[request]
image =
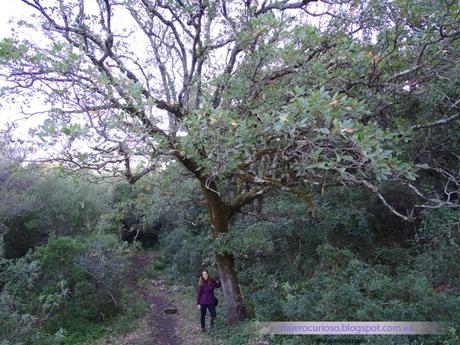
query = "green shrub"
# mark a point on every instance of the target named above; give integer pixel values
(17, 279)
(77, 289)
(160, 263)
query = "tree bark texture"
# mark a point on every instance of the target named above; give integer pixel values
(219, 214)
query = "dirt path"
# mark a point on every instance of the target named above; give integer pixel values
(159, 327)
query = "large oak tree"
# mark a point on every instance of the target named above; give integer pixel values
(246, 95)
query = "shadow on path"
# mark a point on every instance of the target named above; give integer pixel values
(158, 327)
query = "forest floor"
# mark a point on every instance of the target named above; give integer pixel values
(170, 319)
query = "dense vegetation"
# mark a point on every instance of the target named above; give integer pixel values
(353, 260)
(305, 151)
(61, 273)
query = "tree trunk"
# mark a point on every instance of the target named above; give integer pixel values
(234, 307)
(219, 214)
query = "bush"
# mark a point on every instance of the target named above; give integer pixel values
(160, 263)
(17, 278)
(187, 254)
(48, 202)
(71, 284)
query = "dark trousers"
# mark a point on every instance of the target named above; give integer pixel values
(212, 311)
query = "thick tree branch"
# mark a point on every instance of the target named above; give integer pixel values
(282, 6)
(247, 197)
(441, 122)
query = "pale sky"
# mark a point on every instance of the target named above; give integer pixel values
(9, 9)
(11, 112)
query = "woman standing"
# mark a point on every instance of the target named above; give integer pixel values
(205, 298)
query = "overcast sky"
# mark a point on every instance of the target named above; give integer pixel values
(9, 9)
(9, 112)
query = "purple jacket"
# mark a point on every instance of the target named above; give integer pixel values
(205, 293)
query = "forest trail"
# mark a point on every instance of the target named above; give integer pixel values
(158, 327)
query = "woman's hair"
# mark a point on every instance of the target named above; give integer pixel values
(201, 281)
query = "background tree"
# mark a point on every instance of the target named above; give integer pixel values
(247, 96)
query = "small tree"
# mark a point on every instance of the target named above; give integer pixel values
(246, 95)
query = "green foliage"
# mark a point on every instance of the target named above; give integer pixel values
(17, 279)
(336, 266)
(10, 50)
(351, 101)
(64, 292)
(160, 263)
(187, 253)
(247, 240)
(179, 217)
(438, 249)
(111, 223)
(73, 203)
(105, 262)
(91, 270)
(58, 255)
(47, 202)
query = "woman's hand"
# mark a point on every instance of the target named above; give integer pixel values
(198, 306)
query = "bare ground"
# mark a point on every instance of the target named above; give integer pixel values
(158, 327)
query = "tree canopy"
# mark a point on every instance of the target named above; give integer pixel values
(248, 96)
